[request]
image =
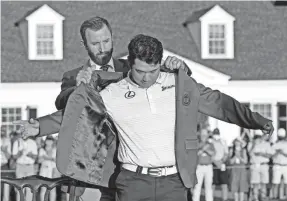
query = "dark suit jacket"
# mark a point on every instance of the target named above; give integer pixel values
(69, 81)
(86, 115)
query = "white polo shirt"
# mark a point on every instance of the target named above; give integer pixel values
(262, 147)
(145, 119)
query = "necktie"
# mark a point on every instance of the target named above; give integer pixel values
(105, 67)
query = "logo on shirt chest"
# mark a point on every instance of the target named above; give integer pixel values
(130, 94)
(163, 88)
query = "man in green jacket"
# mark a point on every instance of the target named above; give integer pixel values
(155, 116)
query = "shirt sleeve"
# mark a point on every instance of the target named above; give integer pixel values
(15, 148)
(41, 152)
(106, 97)
(225, 147)
(34, 147)
(8, 146)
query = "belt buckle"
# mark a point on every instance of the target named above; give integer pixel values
(155, 172)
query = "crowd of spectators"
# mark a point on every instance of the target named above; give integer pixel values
(252, 168)
(21, 158)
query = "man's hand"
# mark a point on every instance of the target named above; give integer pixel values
(173, 63)
(29, 128)
(19, 154)
(200, 152)
(268, 129)
(31, 155)
(84, 76)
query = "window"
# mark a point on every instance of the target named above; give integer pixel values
(8, 116)
(45, 40)
(282, 115)
(32, 113)
(263, 109)
(217, 39)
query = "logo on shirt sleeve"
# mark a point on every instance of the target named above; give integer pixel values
(130, 94)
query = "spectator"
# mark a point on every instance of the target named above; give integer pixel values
(204, 170)
(25, 152)
(40, 142)
(5, 157)
(238, 161)
(220, 174)
(280, 163)
(47, 157)
(260, 154)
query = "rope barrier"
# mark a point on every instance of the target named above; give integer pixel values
(226, 166)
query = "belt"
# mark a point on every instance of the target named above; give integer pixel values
(154, 171)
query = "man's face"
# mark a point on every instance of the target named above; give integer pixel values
(216, 136)
(99, 45)
(144, 74)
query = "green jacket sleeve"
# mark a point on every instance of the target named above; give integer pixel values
(50, 124)
(225, 108)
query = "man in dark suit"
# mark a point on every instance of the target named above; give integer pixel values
(97, 38)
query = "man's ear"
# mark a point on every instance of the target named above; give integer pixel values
(128, 58)
(83, 44)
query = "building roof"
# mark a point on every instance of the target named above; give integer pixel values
(260, 36)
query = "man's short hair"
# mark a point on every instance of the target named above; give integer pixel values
(145, 48)
(95, 23)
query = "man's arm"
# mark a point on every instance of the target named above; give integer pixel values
(16, 153)
(210, 150)
(46, 125)
(67, 87)
(50, 124)
(223, 107)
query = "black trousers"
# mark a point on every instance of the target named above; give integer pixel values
(131, 186)
(108, 194)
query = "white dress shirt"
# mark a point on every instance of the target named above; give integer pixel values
(95, 66)
(280, 158)
(26, 146)
(145, 121)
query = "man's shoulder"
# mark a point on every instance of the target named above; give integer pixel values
(72, 72)
(114, 88)
(167, 78)
(122, 84)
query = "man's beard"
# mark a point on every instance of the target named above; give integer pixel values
(102, 58)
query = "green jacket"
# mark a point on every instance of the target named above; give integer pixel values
(88, 139)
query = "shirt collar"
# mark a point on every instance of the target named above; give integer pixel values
(95, 66)
(132, 85)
